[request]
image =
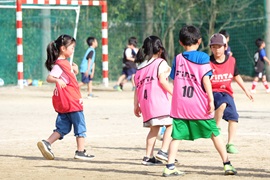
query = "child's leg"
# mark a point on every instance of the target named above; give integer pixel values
(167, 138)
(80, 143)
(220, 147)
(254, 83)
(132, 80)
(228, 168)
(81, 83)
(53, 137)
(219, 113)
(89, 88)
(173, 151)
(264, 81)
(121, 79)
(151, 140)
(232, 126)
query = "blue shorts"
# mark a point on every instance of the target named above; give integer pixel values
(64, 122)
(129, 72)
(86, 79)
(230, 112)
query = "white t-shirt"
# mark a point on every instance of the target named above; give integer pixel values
(59, 73)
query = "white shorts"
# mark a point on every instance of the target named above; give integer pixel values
(158, 122)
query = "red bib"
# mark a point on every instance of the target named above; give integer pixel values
(67, 99)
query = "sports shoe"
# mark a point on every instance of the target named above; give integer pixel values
(121, 85)
(231, 149)
(167, 172)
(117, 87)
(150, 161)
(268, 90)
(164, 156)
(229, 170)
(82, 155)
(91, 96)
(45, 149)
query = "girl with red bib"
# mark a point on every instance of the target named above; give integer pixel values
(66, 99)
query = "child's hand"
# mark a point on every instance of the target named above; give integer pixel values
(86, 73)
(61, 83)
(137, 111)
(75, 68)
(211, 108)
(92, 75)
(249, 95)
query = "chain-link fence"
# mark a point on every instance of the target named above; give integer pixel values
(125, 19)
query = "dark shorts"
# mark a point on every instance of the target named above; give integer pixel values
(129, 72)
(86, 79)
(260, 74)
(230, 112)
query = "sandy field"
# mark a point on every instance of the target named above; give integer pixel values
(117, 139)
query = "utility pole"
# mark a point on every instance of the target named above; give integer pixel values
(46, 38)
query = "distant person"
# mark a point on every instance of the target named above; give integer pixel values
(129, 67)
(87, 67)
(224, 72)
(227, 36)
(260, 73)
(192, 101)
(151, 97)
(67, 100)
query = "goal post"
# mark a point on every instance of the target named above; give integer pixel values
(104, 31)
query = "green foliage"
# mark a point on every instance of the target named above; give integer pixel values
(244, 19)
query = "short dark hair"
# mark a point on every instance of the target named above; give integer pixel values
(189, 35)
(132, 41)
(224, 33)
(90, 40)
(259, 42)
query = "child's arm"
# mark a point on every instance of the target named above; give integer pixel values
(240, 82)
(88, 67)
(165, 83)
(137, 110)
(267, 60)
(51, 79)
(208, 89)
(75, 68)
(93, 70)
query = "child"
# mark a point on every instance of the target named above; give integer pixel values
(260, 66)
(227, 36)
(129, 67)
(192, 100)
(151, 96)
(224, 72)
(67, 100)
(87, 67)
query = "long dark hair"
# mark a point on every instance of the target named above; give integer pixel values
(151, 45)
(53, 49)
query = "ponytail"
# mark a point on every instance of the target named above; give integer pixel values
(54, 49)
(52, 55)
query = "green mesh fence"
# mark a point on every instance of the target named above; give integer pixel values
(125, 19)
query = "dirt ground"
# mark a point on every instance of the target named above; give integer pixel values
(117, 139)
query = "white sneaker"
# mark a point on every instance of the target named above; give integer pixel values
(253, 91)
(268, 90)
